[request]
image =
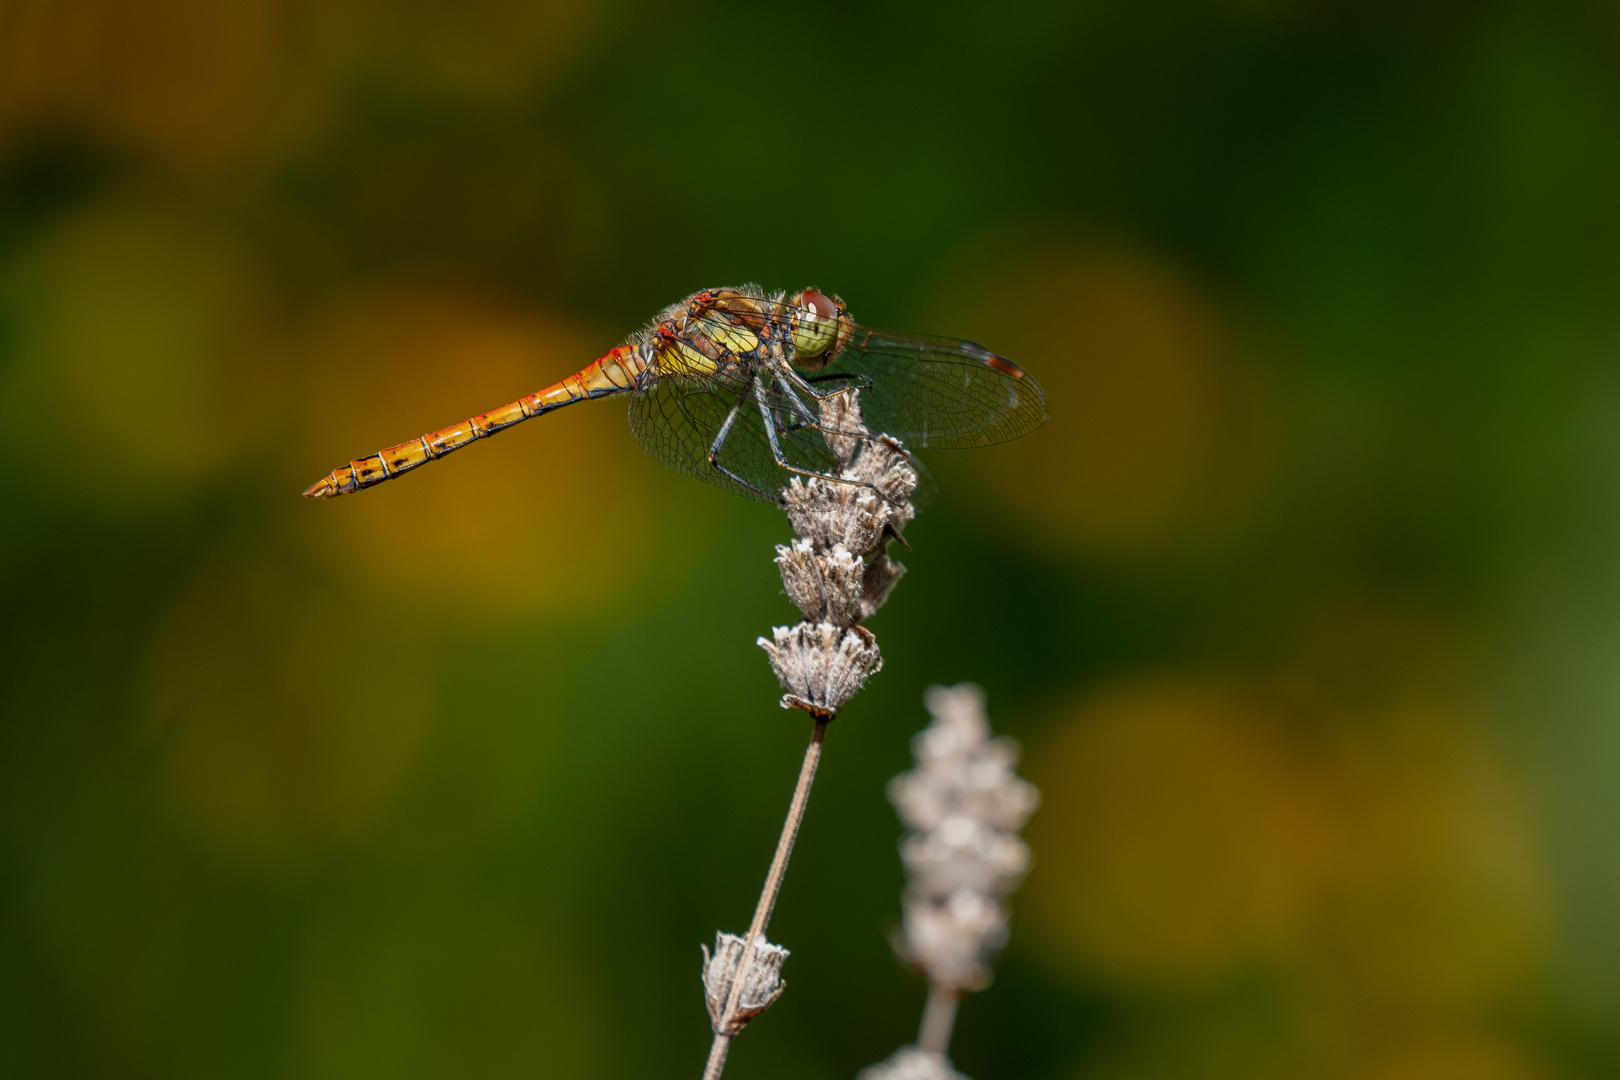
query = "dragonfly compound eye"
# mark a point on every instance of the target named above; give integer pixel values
(820, 327)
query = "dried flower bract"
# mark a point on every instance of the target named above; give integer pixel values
(821, 665)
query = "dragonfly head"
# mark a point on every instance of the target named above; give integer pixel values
(820, 326)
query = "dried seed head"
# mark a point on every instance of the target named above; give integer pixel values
(849, 514)
(910, 1063)
(842, 425)
(826, 572)
(761, 987)
(875, 505)
(821, 665)
(843, 574)
(886, 466)
(802, 577)
(826, 586)
(879, 580)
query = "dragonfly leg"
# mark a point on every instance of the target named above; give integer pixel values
(776, 447)
(808, 417)
(787, 380)
(791, 377)
(720, 440)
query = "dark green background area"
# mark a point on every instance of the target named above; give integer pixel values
(1402, 218)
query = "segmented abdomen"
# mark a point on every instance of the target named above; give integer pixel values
(613, 373)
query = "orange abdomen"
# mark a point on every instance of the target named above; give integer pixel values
(613, 373)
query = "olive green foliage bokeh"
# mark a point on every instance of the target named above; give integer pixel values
(1304, 605)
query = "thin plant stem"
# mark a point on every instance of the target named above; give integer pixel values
(939, 1016)
(767, 897)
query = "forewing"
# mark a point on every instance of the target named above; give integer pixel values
(938, 392)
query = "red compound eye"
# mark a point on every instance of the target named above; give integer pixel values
(819, 303)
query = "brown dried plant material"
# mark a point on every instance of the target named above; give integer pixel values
(837, 573)
(760, 989)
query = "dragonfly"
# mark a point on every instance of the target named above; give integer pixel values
(725, 385)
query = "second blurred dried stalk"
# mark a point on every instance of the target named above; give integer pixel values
(965, 804)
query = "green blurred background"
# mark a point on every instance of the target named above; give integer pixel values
(1305, 604)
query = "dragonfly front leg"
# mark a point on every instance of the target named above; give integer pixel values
(807, 383)
(720, 440)
(776, 447)
(787, 379)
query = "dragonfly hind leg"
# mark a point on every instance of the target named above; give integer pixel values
(776, 446)
(714, 455)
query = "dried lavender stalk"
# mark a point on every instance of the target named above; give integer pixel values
(837, 573)
(965, 805)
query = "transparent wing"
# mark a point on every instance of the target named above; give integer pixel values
(798, 409)
(677, 418)
(937, 392)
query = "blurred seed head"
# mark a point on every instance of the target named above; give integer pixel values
(966, 804)
(961, 769)
(909, 1063)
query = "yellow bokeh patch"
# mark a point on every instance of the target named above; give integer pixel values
(288, 717)
(1180, 834)
(1339, 821)
(1162, 428)
(552, 515)
(207, 86)
(147, 358)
